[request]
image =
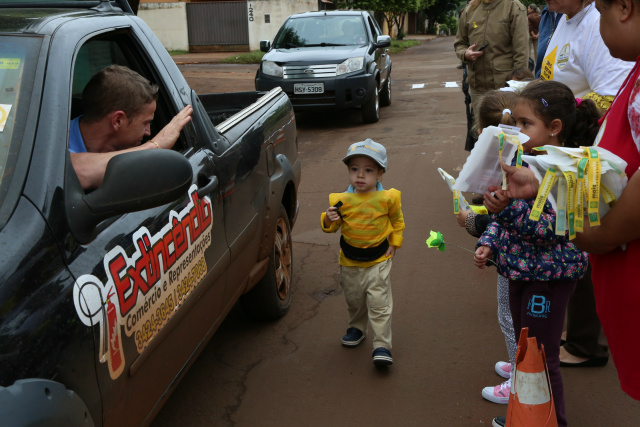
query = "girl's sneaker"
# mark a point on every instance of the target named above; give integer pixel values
(503, 369)
(499, 393)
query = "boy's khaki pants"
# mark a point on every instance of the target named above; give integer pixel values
(368, 295)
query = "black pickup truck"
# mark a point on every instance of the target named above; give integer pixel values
(107, 298)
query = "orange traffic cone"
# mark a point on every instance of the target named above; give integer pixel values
(531, 399)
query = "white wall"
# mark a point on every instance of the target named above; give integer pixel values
(169, 23)
(279, 11)
(169, 20)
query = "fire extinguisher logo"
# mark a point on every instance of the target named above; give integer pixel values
(93, 309)
(116, 356)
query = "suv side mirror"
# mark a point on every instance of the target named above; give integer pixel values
(132, 182)
(382, 41)
(265, 45)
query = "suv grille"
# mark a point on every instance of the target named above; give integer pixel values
(309, 71)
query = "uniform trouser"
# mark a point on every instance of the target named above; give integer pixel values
(584, 331)
(504, 318)
(476, 95)
(541, 307)
(368, 295)
(533, 49)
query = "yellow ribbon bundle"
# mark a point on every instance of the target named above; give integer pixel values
(584, 176)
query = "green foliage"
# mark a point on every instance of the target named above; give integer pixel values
(177, 52)
(253, 57)
(398, 46)
(440, 11)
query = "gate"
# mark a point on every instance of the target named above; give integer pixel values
(218, 26)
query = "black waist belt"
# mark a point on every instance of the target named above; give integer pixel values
(363, 254)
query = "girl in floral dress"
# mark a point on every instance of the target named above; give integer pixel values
(541, 266)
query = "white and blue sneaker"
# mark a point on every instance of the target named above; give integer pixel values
(382, 357)
(352, 338)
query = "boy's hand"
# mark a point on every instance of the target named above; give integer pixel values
(482, 256)
(332, 214)
(462, 217)
(496, 204)
(391, 251)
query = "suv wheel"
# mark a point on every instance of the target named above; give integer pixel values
(271, 297)
(385, 93)
(371, 110)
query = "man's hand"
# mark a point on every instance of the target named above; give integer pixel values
(521, 183)
(168, 136)
(482, 256)
(471, 54)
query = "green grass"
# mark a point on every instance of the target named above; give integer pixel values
(177, 52)
(253, 57)
(398, 46)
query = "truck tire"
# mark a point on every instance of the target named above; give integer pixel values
(385, 93)
(371, 109)
(271, 297)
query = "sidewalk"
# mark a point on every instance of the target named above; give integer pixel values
(215, 57)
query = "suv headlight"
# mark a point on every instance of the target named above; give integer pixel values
(270, 68)
(350, 65)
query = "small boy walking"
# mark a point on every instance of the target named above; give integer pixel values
(371, 222)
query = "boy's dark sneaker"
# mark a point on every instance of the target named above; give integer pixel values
(353, 337)
(382, 357)
(499, 421)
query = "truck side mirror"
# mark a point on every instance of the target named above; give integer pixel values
(265, 45)
(132, 182)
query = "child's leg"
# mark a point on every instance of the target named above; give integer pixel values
(380, 303)
(504, 318)
(541, 307)
(352, 280)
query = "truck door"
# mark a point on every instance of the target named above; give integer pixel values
(151, 284)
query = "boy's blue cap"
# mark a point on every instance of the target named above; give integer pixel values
(368, 148)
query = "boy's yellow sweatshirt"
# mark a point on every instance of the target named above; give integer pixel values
(367, 220)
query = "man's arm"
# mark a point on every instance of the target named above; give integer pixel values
(91, 167)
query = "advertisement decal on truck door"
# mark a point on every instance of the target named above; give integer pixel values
(143, 291)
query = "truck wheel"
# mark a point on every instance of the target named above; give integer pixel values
(271, 297)
(371, 110)
(385, 93)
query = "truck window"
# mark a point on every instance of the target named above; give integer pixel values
(119, 48)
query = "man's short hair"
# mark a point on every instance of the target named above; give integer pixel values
(116, 88)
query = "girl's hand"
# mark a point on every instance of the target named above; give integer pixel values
(471, 54)
(482, 256)
(391, 252)
(462, 217)
(496, 204)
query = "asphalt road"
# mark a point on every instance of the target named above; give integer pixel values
(294, 372)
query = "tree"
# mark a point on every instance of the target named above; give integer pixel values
(394, 11)
(439, 11)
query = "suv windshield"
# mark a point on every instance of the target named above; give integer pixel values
(322, 31)
(18, 57)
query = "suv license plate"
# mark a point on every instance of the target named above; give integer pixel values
(308, 88)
